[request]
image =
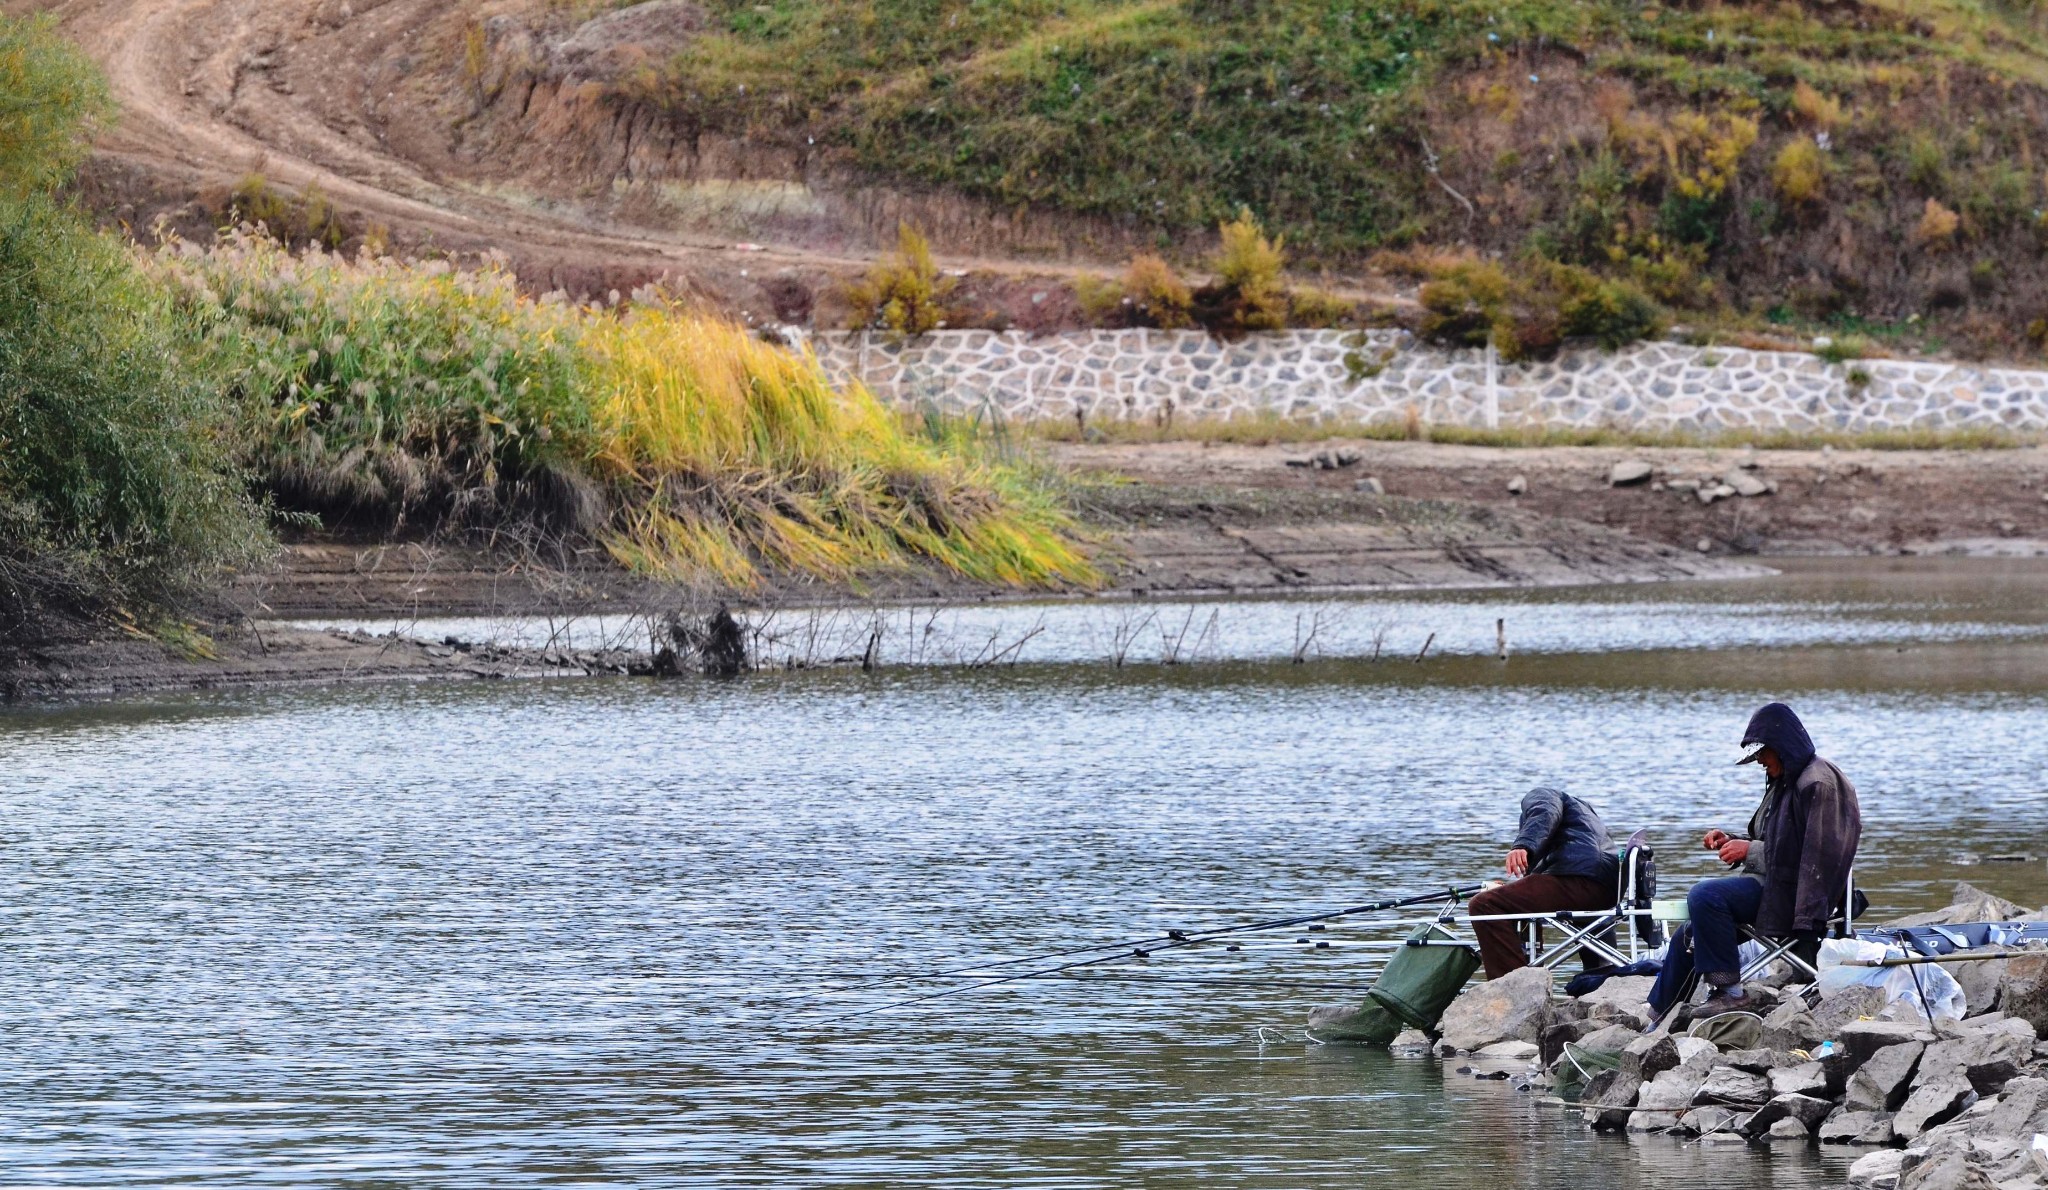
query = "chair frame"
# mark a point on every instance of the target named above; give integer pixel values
(1840, 925)
(1581, 928)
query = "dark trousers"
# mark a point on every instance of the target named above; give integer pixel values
(1712, 943)
(1500, 942)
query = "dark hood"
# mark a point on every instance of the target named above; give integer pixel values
(1776, 727)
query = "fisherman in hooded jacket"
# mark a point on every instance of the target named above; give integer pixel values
(1561, 859)
(1793, 866)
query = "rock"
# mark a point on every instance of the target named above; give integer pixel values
(1846, 1127)
(1729, 1086)
(1704, 545)
(1517, 1051)
(1758, 1061)
(2022, 1109)
(1807, 1078)
(1629, 472)
(1567, 1010)
(1371, 486)
(1517, 485)
(1706, 1121)
(1674, 1090)
(1697, 1051)
(1637, 1019)
(1347, 457)
(1987, 1056)
(1409, 1041)
(1932, 1103)
(1967, 904)
(1862, 1039)
(1611, 1096)
(1515, 1007)
(1803, 1111)
(1789, 1130)
(1879, 1171)
(1648, 1057)
(1683, 485)
(1609, 1039)
(1980, 982)
(1791, 1028)
(2023, 991)
(1709, 493)
(1949, 1171)
(1742, 483)
(1852, 1003)
(1631, 992)
(1551, 1047)
(1652, 1121)
(1883, 1082)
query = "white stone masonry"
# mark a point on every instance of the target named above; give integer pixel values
(1161, 375)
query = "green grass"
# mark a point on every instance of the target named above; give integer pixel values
(391, 393)
(1176, 112)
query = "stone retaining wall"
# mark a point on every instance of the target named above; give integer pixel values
(1155, 375)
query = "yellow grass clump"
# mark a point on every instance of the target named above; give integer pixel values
(737, 454)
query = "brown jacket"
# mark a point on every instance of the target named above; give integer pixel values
(1809, 842)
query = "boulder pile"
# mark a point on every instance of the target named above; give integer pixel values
(1942, 1103)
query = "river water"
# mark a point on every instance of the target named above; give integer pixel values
(597, 932)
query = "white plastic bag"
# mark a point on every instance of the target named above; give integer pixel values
(1944, 996)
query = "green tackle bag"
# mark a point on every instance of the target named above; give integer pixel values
(1420, 981)
(1368, 1023)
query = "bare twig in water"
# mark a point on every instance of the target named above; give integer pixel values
(1124, 633)
(1379, 637)
(1425, 648)
(1170, 646)
(1011, 651)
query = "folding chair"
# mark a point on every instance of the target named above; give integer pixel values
(1635, 889)
(1841, 924)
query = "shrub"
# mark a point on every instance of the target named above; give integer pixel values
(54, 101)
(115, 489)
(1529, 314)
(904, 294)
(392, 392)
(1249, 293)
(1315, 309)
(1937, 227)
(303, 220)
(1815, 109)
(1149, 294)
(687, 446)
(1799, 173)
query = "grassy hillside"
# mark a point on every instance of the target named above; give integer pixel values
(1855, 163)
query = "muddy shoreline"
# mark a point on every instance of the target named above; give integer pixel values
(1170, 520)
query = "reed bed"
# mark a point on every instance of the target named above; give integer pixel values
(394, 392)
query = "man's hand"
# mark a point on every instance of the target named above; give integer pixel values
(1715, 840)
(1518, 863)
(1734, 851)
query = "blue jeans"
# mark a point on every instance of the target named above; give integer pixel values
(1711, 944)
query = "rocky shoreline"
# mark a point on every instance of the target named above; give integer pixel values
(1940, 1103)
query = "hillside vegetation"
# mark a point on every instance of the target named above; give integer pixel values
(1871, 165)
(161, 415)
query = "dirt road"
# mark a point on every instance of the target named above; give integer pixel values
(212, 91)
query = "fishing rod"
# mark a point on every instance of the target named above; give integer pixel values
(1136, 946)
(1176, 940)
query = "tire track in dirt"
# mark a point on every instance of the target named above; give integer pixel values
(193, 116)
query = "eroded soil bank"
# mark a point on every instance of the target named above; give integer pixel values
(1171, 536)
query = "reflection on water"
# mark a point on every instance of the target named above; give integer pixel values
(529, 933)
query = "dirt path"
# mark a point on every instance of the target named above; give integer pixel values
(204, 103)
